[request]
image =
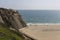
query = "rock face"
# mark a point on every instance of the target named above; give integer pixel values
(12, 18)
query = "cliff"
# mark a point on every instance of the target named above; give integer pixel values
(11, 18)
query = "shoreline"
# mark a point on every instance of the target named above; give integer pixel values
(43, 24)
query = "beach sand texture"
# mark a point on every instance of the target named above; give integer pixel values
(42, 32)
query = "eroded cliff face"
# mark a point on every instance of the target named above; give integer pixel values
(12, 18)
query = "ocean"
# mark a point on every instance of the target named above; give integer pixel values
(40, 16)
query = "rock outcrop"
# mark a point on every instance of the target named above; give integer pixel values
(12, 18)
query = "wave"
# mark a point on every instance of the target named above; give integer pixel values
(43, 23)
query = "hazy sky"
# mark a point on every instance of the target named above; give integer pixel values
(30, 4)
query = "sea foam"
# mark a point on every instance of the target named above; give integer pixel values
(43, 23)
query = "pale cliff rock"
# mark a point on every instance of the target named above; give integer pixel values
(11, 18)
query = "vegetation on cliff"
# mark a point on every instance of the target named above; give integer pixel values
(7, 34)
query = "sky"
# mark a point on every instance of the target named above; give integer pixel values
(31, 4)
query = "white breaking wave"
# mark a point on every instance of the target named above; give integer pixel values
(43, 23)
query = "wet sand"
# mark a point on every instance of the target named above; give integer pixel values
(42, 32)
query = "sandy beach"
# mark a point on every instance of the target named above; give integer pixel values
(42, 32)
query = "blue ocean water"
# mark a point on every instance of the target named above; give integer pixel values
(40, 16)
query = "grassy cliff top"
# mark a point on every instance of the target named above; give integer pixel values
(7, 34)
